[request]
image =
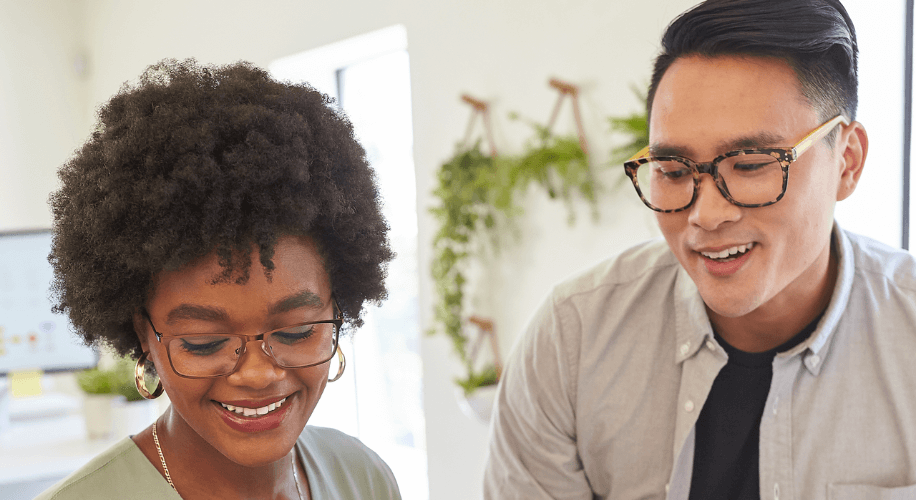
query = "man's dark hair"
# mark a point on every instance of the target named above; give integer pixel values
(815, 37)
(200, 159)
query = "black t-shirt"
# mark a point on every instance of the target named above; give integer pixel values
(727, 452)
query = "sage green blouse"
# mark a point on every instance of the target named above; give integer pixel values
(338, 467)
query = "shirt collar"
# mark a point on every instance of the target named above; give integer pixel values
(815, 349)
(692, 323)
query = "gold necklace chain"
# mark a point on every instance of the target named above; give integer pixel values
(162, 459)
(169, 477)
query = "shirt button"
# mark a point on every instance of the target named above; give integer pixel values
(710, 345)
(775, 406)
(814, 360)
(776, 491)
(688, 405)
(667, 487)
(685, 347)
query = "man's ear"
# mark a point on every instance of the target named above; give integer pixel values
(852, 145)
(141, 327)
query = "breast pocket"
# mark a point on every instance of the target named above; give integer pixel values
(866, 492)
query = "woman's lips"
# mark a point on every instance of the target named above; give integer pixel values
(268, 420)
(251, 410)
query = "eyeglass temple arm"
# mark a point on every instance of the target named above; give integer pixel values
(818, 134)
(641, 153)
(150, 321)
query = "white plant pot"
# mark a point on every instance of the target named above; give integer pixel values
(479, 404)
(98, 411)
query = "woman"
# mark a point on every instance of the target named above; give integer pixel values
(220, 227)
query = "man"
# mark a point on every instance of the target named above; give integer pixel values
(760, 351)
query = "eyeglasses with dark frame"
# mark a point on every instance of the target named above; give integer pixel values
(194, 355)
(745, 177)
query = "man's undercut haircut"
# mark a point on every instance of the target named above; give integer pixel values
(197, 159)
(815, 37)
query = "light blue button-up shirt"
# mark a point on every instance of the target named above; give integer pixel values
(602, 393)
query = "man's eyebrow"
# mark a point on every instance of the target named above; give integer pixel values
(196, 312)
(668, 150)
(761, 140)
(304, 298)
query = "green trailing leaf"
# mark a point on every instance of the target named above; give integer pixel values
(636, 126)
(488, 375)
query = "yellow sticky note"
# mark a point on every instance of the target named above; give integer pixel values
(26, 383)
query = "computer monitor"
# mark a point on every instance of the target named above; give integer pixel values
(31, 336)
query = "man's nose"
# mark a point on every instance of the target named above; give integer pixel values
(711, 209)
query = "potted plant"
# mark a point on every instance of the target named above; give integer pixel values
(98, 405)
(112, 406)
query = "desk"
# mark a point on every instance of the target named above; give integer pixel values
(46, 448)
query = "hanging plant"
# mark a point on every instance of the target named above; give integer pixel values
(559, 164)
(477, 195)
(467, 186)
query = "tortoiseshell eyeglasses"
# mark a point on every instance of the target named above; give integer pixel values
(746, 177)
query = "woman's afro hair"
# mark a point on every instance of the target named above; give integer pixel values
(194, 159)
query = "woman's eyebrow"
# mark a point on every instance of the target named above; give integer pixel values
(305, 298)
(196, 312)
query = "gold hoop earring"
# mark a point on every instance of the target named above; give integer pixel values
(341, 365)
(140, 373)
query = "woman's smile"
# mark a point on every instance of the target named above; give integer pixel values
(260, 419)
(248, 409)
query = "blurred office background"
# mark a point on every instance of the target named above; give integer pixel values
(398, 68)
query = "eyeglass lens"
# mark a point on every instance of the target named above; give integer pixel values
(213, 355)
(749, 179)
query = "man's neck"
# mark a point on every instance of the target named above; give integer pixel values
(775, 322)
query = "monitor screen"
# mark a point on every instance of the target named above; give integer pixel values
(31, 336)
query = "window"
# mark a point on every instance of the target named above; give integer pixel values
(876, 208)
(380, 399)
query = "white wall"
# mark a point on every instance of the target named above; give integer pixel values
(41, 104)
(502, 51)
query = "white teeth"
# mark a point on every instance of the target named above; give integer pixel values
(728, 252)
(251, 412)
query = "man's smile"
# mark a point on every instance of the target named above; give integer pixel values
(729, 253)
